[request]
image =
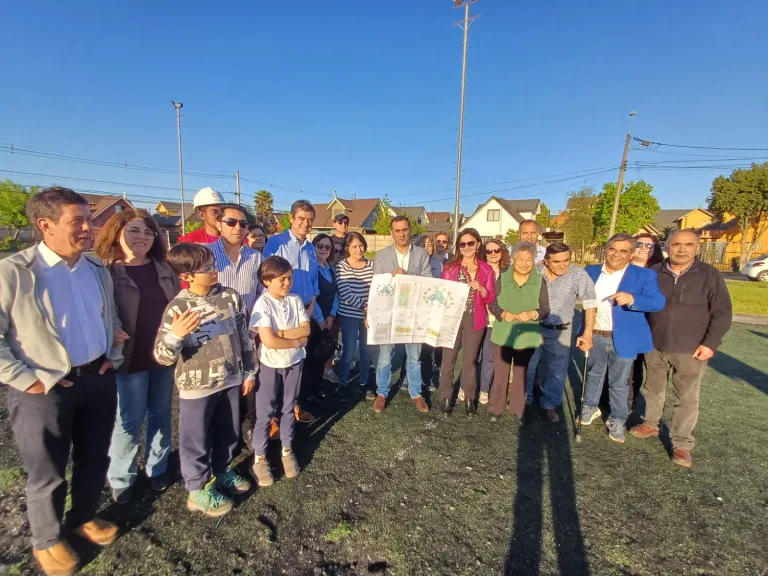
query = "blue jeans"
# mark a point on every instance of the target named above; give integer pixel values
(384, 369)
(603, 359)
(555, 352)
(353, 331)
(141, 395)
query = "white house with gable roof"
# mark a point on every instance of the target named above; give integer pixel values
(493, 218)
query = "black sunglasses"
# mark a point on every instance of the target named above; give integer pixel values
(493, 250)
(232, 222)
(323, 247)
(648, 245)
(470, 244)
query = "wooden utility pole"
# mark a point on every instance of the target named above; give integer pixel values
(620, 183)
(237, 186)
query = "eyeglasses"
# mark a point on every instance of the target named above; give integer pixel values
(493, 250)
(648, 245)
(138, 233)
(443, 242)
(470, 244)
(323, 247)
(232, 222)
(207, 270)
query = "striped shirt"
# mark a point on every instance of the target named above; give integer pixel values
(354, 286)
(240, 275)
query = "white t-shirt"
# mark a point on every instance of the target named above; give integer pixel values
(607, 285)
(279, 315)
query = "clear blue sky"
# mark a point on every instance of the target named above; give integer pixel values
(362, 96)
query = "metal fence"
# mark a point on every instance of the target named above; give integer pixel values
(726, 256)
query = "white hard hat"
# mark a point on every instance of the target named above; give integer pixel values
(207, 197)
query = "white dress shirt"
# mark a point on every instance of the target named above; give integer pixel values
(403, 259)
(76, 302)
(606, 286)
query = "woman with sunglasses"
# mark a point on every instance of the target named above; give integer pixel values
(497, 257)
(133, 250)
(468, 267)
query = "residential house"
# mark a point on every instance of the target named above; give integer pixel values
(362, 213)
(441, 222)
(666, 221)
(418, 214)
(103, 207)
(728, 230)
(174, 209)
(493, 218)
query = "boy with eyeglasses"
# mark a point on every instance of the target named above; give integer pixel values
(205, 333)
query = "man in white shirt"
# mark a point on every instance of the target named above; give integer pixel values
(529, 232)
(60, 338)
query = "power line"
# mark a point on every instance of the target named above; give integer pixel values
(651, 143)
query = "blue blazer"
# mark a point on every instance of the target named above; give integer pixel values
(631, 333)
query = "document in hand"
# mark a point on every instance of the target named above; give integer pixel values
(406, 309)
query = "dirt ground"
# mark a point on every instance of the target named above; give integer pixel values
(405, 493)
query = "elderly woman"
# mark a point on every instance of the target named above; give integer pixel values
(497, 257)
(133, 250)
(522, 301)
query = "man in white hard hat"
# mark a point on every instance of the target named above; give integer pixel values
(207, 202)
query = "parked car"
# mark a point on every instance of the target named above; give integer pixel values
(757, 269)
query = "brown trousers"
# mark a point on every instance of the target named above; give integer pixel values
(504, 359)
(686, 383)
(471, 341)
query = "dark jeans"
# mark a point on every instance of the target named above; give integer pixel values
(44, 426)
(486, 362)
(507, 359)
(209, 431)
(471, 341)
(354, 332)
(267, 393)
(635, 381)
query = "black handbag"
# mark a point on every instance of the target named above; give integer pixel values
(325, 348)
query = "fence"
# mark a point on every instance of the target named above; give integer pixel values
(726, 256)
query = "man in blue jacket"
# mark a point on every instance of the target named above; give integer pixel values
(624, 294)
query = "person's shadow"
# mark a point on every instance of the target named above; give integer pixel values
(541, 444)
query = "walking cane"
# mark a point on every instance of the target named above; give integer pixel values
(583, 386)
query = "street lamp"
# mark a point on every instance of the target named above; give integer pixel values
(178, 106)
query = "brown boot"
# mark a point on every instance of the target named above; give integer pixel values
(303, 416)
(98, 531)
(274, 429)
(682, 457)
(380, 404)
(58, 560)
(644, 431)
(421, 405)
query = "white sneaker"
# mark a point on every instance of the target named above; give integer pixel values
(331, 376)
(352, 365)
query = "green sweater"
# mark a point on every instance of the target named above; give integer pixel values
(516, 299)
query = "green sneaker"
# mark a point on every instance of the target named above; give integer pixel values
(209, 501)
(231, 483)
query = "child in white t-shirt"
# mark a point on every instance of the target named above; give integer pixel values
(282, 324)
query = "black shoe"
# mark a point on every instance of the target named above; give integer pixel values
(447, 408)
(314, 400)
(341, 393)
(470, 408)
(122, 495)
(248, 440)
(160, 482)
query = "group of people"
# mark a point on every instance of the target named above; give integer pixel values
(247, 328)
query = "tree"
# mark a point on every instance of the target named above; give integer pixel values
(383, 218)
(13, 202)
(543, 218)
(579, 227)
(637, 208)
(249, 215)
(285, 222)
(743, 194)
(264, 208)
(193, 225)
(416, 228)
(510, 238)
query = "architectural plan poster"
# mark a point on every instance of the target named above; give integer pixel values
(412, 309)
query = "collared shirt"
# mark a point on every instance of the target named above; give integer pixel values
(77, 305)
(564, 290)
(606, 286)
(240, 275)
(303, 258)
(269, 312)
(540, 253)
(668, 268)
(403, 259)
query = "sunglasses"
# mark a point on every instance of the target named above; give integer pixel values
(470, 244)
(138, 233)
(648, 245)
(323, 247)
(232, 222)
(345, 222)
(493, 250)
(443, 242)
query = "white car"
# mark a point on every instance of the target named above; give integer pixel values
(757, 269)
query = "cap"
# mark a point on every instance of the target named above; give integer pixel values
(340, 217)
(207, 197)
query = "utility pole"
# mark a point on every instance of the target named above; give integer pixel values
(622, 169)
(178, 106)
(237, 185)
(464, 25)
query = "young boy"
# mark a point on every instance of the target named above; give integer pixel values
(283, 327)
(205, 333)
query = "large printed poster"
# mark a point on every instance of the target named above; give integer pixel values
(406, 309)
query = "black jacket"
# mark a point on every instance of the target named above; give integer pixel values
(698, 310)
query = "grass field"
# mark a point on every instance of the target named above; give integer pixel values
(749, 298)
(402, 493)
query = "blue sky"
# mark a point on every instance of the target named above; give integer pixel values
(362, 96)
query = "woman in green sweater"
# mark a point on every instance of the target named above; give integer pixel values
(522, 301)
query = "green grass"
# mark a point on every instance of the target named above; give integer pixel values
(9, 477)
(343, 528)
(749, 298)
